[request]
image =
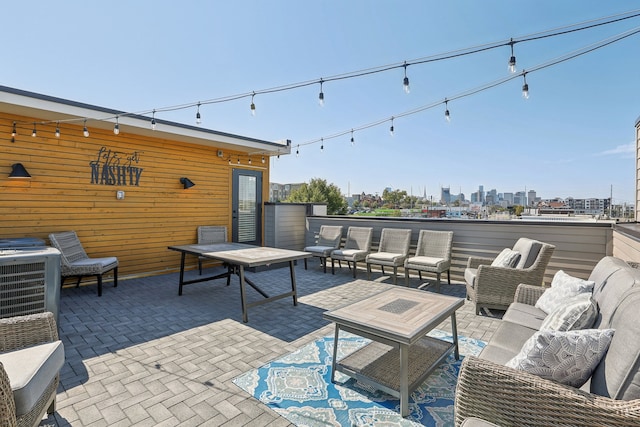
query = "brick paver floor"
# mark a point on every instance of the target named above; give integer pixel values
(142, 355)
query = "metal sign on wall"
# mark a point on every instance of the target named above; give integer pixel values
(115, 168)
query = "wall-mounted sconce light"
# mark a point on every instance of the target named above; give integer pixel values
(186, 182)
(18, 171)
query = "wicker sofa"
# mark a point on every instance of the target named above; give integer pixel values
(488, 390)
(31, 356)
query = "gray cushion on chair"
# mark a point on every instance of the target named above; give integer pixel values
(320, 250)
(102, 262)
(30, 371)
(529, 250)
(470, 276)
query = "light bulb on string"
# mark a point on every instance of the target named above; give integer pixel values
(229, 161)
(322, 144)
(85, 131)
(447, 116)
(298, 150)
(321, 95)
(249, 160)
(116, 127)
(405, 82)
(34, 132)
(391, 129)
(238, 160)
(153, 120)
(512, 60)
(198, 117)
(525, 86)
(14, 131)
(57, 130)
(263, 159)
(253, 106)
(353, 141)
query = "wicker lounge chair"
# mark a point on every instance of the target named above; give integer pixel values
(31, 358)
(392, 251)
(356, 248)
(76, 263)
(210, 234)
(328, 240)
(433, 255)
(494, 287)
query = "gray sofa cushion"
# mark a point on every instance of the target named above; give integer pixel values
(609, 293)
(30, 370)
(603, 270)
(470, 276)
(529, 250)
(618, 374)
(506, 342)
(525, 315)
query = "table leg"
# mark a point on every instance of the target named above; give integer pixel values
(404, 380)
(245, 317)
(293, 283)
(335, 354)
(454, 331)
(181, 282)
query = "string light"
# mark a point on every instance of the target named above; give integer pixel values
(253, 106)
(391, 128)
(263, 159)
(85, 131)
(447, 116)
(116, 127)
(405, 82)
(512, 60)
(229, 160)
(525, 86)
(34, 132)
(13, 132)
(153, 120)
(198, 117)
(249, 160)
(321, 144)
(353, 141)
(57, 130)
(321, 95)
(298, 150)
(238, 160)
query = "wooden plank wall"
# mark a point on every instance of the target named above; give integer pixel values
(153, 215)
(578, 246)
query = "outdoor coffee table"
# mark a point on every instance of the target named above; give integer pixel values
(237, 256)
(400, 356)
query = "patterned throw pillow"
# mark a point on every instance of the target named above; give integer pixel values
(562, 288)
(578, 312)
(566, 357)
(506, 258)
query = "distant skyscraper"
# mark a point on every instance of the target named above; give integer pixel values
(445, 195)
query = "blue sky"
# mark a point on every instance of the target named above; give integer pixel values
(574, 136)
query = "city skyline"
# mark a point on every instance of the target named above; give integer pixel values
(573, 137)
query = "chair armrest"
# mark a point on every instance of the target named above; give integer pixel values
(476, 261)
(508, 397)
(528, 294)
(26, 331)
(7, 404)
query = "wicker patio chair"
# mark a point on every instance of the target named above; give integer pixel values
(392, 250)
(433, 255)
(356, 248)
(494, 287)
(76, 263)
(210, 234)
(31, 356)
(328, 240)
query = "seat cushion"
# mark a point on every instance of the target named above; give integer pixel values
(529, 250)
(324, 251)
(386, 258)
(525, 315)
(506, 342)
(349, 254)
(424, 261)
(93, 265)
(30, 371)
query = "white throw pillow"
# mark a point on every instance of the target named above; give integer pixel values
(506, 258)
(562, 288)
(568, 357)
(578, 312)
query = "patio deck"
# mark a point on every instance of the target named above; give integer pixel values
(141, 355)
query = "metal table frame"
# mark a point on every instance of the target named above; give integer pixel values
(237, 256)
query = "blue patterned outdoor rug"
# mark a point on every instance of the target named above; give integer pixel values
(298, 387)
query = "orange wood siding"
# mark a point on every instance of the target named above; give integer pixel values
(153, 215)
